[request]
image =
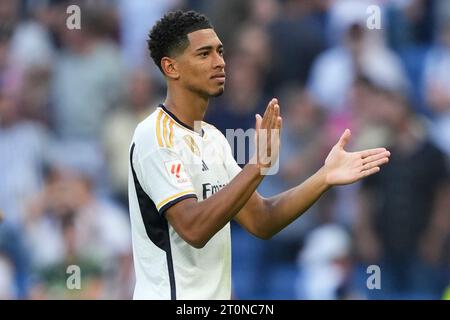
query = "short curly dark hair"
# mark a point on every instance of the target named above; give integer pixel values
(169, 35)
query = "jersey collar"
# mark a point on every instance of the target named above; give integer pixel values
(174, 117)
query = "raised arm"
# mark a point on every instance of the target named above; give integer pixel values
(196, 222)
(264, 217)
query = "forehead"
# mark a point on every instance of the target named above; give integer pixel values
(202, 38)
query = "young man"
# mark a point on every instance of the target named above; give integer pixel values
(185, 186)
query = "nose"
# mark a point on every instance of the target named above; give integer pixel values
(219, 62)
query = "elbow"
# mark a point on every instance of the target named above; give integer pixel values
(264, 235)
(198, 244)
(262, 227)
(191, 231)
(195, 239)
(261, 232)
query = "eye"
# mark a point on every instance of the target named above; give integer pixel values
(221, 52)
(203, 54)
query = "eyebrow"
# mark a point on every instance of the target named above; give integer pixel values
(220, 46)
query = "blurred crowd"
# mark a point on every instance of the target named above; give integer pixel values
(70, 100)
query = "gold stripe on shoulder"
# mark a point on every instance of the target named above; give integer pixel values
(166, 139)
(171, 132)
(158, 128)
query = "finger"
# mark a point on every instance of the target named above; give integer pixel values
(267, 115)
(280, 119)
(376, 157)
(371, 152)
(343, 140)
(271, 123)
(376, 163)
(267, 109)
(276, 113)
(369, 172)
(274, 122)
(278, 127)
(276, 130)
(274, 117)
(264, 117)
(269, 106)
(258, 122)
(279, 123)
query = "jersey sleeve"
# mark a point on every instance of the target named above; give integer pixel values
(165, 179)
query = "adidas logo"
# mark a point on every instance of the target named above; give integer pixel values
(204, 166)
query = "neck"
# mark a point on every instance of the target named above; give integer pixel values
(186, 105)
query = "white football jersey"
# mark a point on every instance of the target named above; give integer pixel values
(170, 162)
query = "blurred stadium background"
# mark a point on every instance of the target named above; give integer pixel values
(70, 100)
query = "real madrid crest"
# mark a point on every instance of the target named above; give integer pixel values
(192, 145)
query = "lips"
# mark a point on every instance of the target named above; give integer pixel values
(219, 77)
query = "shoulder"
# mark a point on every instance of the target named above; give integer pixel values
(213, 134)
(212, 131)
(148, 135)
(155, 133)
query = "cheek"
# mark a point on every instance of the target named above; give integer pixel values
(199, 70)
(188, 72)
(197, 75)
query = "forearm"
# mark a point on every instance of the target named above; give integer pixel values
(197, 222)
(212, 214)
(266, 217)
(282, 209)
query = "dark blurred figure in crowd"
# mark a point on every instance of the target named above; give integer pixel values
(87, 84)
(357, 50)
(411, 23)
(14, 263)
(67, 224)
(87, 78)
(403, 222)
(293, 55)
(436, 87)
(119, 128)
(325, 264)
(23, 149)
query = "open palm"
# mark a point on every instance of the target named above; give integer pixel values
(344, 167)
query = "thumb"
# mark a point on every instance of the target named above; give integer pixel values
(343, 140)
(258, 122)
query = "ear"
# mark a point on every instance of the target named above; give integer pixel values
(169, 67)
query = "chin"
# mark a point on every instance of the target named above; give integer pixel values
(218, 93)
